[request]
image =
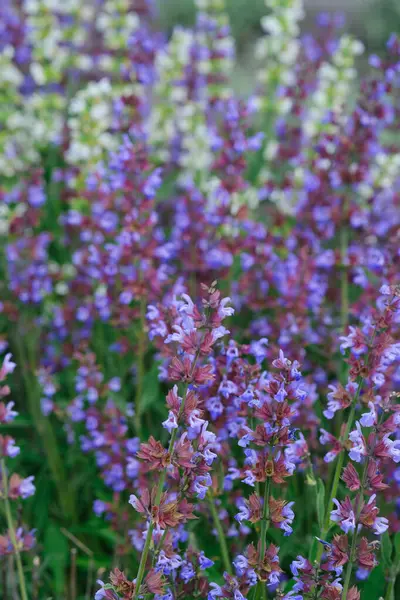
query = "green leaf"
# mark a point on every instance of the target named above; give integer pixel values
(320, 503)
(92, 528)
(386, 550)
(374, 586)
(151, 390)
(397, 544)
(56, 550)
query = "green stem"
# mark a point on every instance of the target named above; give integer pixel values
(159, 547)
(140, 365)
(311, 482)
(344, 280)
(265, 517)
(358, 509)
(344, 302)
(221, 535)
(253, 424)
(260, 591)
(391, 583)
(143, 559)
(394, 571)
(339, 466)
(146, 549)
(45, 430)
(352, 555)
(161, 481)
(390, 589)
(13, 537)
(349, 568)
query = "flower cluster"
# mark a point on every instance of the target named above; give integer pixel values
(12, 487)
(181, 435)
(192, 448)
(372, 452)
(270, 401)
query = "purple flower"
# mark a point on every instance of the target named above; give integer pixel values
(299, 563)
(26, 487)
(344, 516)
(11, 449)
(168, 563)
(171, 423)
(369, 419)
(99, 507)
(115, 384)
(201, 485)
(380, 525)
(288, 515)
(204, 562)
(358, 449)
(243, 514)
(241, 565)
(153, 183)
(249, 479)
(224, 310)
(105, 592)
(7, 367)
(6, 413)
(216, 592)
(187, 572)
(393, 448)
(292, 595)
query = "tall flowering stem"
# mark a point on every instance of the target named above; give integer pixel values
(221, 535)
(12, 533)
(344, 282)
(272, 402)
(149, 536)
(343, 440)
(159, 490)
(392, 580)
(353, 546)
(260, 589)
(359, 504)
(374, 449)
(344, 279)
(339, 467)
(193, 335)
(265, 516)
(45, 430)
(140, 364)
(14, 487)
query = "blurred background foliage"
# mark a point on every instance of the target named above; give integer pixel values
(371, 20)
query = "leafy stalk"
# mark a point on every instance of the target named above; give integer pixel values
(344, 280)
(221, 535)
(161, 481)
(265, 520)
(392, 580)
(13, 536)
(265, 517)
(340, 461)
(349, 568)
(344, 320)
(358, 510)
(140, 365)
(45, 430)
(339, 466)
(146, 549)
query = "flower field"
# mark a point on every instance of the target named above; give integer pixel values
(199, 307)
